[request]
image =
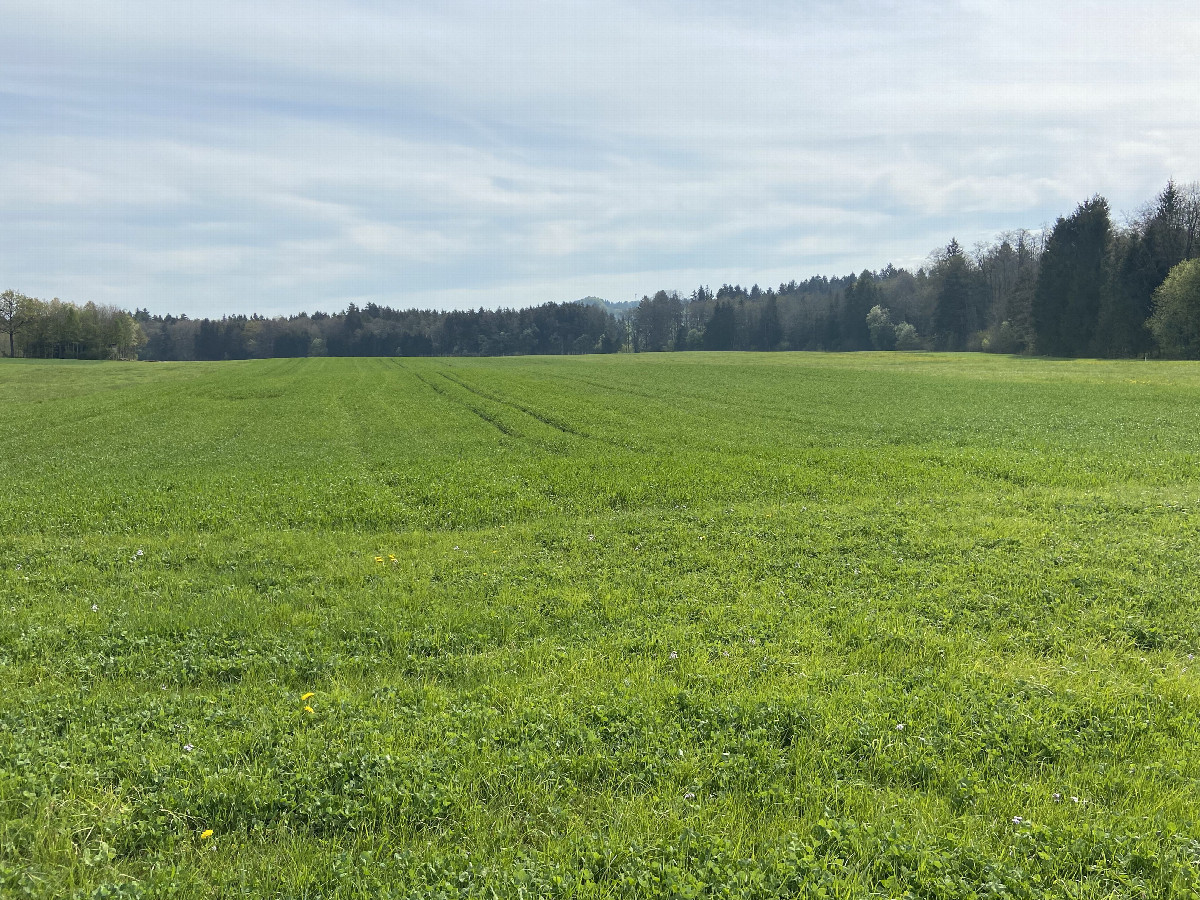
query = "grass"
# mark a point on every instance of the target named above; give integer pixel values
(689, 625)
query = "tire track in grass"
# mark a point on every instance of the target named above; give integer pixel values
(485, 416)
(553, 421)
(686, 419)
(705, 402)
(520, 407)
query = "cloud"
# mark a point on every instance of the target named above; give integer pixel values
(271, 156)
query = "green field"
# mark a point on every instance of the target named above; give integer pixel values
(685, 625)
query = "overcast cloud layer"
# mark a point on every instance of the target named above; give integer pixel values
(271, 157)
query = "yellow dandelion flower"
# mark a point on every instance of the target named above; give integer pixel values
(308, 709)
(391, 556)
(379, 559)
(307, 696)
(206, 834)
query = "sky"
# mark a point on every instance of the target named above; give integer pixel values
(229, 157)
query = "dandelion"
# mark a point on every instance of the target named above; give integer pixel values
(379, 559)
(309, 710)
(307, 696)
(206, 834)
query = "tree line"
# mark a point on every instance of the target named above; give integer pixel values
(1084, 287)
(57, 330)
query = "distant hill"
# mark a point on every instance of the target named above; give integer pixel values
(620, 310)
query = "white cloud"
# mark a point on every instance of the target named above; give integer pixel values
(267, 156)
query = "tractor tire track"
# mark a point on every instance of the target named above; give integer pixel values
(482, 414)
(520, 407)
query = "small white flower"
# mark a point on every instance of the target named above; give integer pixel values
(139, 553)
(188, 748)
(591, 537)
(1017, 820)
(95, 607)
(1057, 797)
(753, 642)
(1074, 799)
(674, 654)
(689, 796)
(900, 726)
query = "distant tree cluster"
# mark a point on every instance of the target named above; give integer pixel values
(553, 328)
(1082, 288)
(57, 330)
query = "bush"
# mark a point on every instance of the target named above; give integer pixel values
(907, 337)
(879, 324)
(1175, 322)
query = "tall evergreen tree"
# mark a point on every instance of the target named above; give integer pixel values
(1066, 302)
(720, 333)
(952, 308)
(1127, 299)
(770, 331)
(860, 297)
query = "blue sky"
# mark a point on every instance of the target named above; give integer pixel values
(274, 157)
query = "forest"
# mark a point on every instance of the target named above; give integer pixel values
(1085, 287)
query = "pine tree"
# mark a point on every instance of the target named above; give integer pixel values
(1066, 302)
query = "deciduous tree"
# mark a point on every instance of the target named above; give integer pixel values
(14, 316)
(1176, 319)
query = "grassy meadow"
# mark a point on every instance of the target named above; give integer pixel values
(679, 625)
